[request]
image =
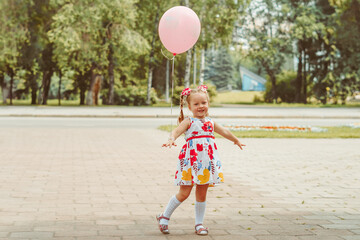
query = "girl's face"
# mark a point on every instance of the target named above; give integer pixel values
(198, 105)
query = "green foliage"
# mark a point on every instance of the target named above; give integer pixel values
(285, 87)
(177, 92)
(41, 37)
(131, 96)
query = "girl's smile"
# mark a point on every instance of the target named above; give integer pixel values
(199, 105)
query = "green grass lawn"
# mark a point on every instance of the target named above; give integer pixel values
(247, 98)
(50, 102)
(332, 132)
(238, 97)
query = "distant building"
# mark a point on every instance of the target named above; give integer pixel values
(251, 81)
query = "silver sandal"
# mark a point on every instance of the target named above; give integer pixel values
(202, 230)
(162, 227)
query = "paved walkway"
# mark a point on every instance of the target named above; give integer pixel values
(108, 183)
(156, 112)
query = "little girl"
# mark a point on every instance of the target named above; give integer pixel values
(199, 163)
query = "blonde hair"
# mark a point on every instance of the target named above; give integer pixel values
(182, 102)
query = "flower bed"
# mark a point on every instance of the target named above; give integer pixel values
(354, 125)
(235, 127)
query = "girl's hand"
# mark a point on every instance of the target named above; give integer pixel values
(170, 143)
(239, 144)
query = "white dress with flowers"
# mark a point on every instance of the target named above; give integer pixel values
(199, 162)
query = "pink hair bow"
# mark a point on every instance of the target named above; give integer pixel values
(203, 88)
(186, 92)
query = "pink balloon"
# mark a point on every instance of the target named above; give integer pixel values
(179, 29)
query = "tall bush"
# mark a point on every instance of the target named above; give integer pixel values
(285, 87)
(131, 96)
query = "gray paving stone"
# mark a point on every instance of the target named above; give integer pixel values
(94, 183)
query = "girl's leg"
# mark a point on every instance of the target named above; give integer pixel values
(184, 193)
(201, 191)
(200, 205)
(174, 202)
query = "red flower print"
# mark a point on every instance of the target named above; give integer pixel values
(207, 127)
(182, 152)
(199, 147)
(211, 152)
(176, 174)
(194, 133)
(193, 156)
(215, 146)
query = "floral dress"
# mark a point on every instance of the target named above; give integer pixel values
(199, 162)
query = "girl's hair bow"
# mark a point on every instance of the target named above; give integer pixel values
(186, 92)
(203, 88)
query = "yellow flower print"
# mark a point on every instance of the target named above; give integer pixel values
(221, 175)
(204, 178)
(186, 175)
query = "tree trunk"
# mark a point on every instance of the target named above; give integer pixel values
(111, 75)
(150, 75)
(298, 82)
(89, 96)
(96, 89)
(188, 61)
(34, 88)
(82, 87)
(46, 86)
(11, 72)
(40, 95)
(167, 80)
(187, 69)
(202, 67)
(273, 88)
(304, 80)
(194, 69)
(59, 89)
(3, 87)
(151, 59)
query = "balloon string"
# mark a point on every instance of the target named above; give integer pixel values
(166, 56)
(172, 93)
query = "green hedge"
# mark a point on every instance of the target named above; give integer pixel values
(131, 96)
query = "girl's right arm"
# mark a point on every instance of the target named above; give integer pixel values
(183, 126)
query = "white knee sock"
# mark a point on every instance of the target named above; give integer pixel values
(170, 208)
(199, 212)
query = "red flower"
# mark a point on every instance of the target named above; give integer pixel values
(207, 127)
(193, 156)
(211, 152)
(199, 147)
(215, 146)
(176, 174)
(182, 152)
(194, 133)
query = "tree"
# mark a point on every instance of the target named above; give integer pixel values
(13, 34)
(95, 37)
(220, 71)
(347, 68)
(267, 37)
(217, 19)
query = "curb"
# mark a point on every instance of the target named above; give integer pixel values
(173, 116)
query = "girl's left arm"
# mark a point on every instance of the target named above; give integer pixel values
(227, 134)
